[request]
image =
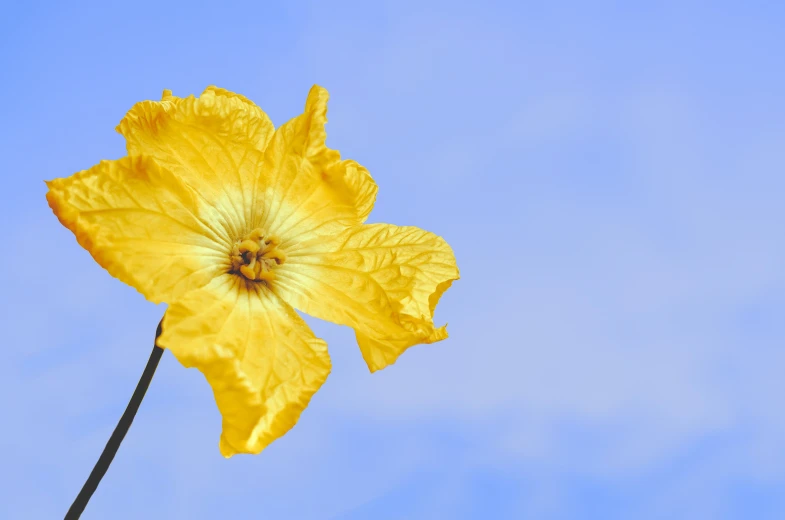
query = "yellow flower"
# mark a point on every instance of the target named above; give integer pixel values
(235, 224)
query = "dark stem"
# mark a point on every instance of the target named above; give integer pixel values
(117, 436)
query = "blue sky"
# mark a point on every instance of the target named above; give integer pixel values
(610, 176)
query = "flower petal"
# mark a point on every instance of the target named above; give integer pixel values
(259, 356)
(143, 225)
(310, 191)
(214, 143)
(382, 280)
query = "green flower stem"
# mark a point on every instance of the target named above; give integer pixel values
(118, 435)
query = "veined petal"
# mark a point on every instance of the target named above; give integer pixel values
(258, 355)
(309, 191)
(382, 280)
(214, 143)
(143, 225)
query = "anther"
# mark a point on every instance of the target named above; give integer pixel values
(249, 245)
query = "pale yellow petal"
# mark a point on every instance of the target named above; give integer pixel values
(308, 190)
(214, 143)
(143, 225)
(382, 280)
(260, 358)
(286, 182)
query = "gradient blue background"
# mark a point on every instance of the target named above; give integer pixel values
(610, 175)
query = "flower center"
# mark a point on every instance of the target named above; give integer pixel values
(255, 256)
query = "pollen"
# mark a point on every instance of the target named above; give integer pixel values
(255, 255)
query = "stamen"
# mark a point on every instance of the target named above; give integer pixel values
(247, 272)
(255, 255)
(277, 255)
(267, 276)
